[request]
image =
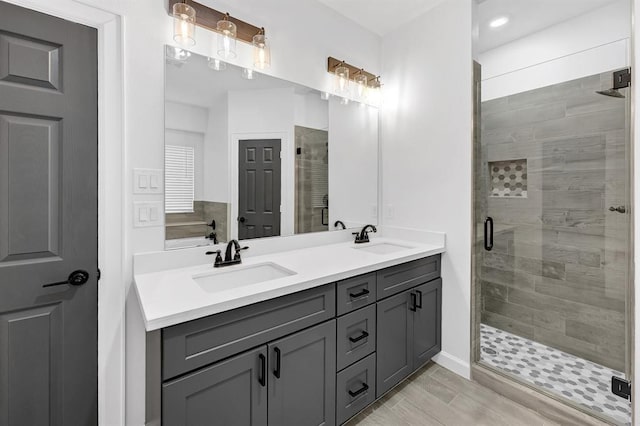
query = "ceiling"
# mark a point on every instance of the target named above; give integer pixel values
(526, 16)
(381, 16)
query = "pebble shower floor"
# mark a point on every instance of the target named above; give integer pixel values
(581, 381)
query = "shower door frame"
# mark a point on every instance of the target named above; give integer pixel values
(501, 381)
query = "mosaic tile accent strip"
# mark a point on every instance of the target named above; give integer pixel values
(508, 178)
(581, 381)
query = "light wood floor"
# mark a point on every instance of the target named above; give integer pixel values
(436, 396)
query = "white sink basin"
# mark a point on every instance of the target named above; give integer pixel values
(236, 276)
(381, 248)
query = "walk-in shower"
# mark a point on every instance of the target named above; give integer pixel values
(552, 190)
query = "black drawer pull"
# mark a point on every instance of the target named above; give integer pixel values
(412, 303)
(364, 335)
(364, 292)
(364, 388)
(419, 304)
(276, 371)
(263, 370)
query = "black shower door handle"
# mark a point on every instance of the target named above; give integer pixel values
(488, 233)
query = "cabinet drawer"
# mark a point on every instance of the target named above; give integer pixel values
(200, 342)
(356, 335)
(354, 293)
(402, 277)
(355, 388)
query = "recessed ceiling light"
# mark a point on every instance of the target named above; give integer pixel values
(498, 22)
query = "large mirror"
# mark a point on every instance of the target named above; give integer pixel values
(261, 157)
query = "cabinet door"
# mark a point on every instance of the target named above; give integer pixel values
(395, 341)
(231, 392)
(302, 377)
(426, 322)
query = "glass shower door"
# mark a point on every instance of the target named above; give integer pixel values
(552, 193)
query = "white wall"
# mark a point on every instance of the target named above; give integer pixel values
(353, 161)
(311, 111)
(426, 151)
(216, 153)
(563, 52)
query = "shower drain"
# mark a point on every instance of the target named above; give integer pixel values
(489, 351)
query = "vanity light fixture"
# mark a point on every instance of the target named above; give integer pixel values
(248, 74)
(362, 82)
(216, 64)
(184, 24)
(341, 79)
(227, 37)
(261, 51)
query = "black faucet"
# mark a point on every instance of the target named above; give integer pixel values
(363, 236)
(228, 260)
(213, 236)
(339, 222)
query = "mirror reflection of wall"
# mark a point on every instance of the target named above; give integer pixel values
(262, 158)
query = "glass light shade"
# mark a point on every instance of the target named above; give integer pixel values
(184, 24)
(227, 32)
(248, 74)
(361, 86)
(342, 80)
(216, 64)
(261, 52)
(175, 54)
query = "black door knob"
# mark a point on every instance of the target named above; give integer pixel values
(78, 277)
(241, 219)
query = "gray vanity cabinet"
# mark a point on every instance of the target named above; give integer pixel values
(395, 341)
(230, 392)
(302, 377)
(427, 322)
(409, 333)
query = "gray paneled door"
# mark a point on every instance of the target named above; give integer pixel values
(48, 219)
(259, 188)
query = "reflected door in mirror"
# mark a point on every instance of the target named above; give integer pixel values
(259, 188)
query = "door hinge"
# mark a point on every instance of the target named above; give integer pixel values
(622, 78)
(99, 274)
(621, 387)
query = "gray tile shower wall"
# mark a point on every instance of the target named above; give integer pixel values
(312, 177)
(557, 273)
(189, 225)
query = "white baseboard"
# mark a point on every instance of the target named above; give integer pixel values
(454, 364)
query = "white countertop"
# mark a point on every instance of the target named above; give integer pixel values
(171, 297)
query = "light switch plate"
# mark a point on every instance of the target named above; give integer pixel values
(147, 181)
(147, 213)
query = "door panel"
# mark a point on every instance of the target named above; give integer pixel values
(395, 341)
(227, 393)
(48, 219)
(304, 394)
(259, 188)
(427, 330)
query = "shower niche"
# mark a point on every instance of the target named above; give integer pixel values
(508, 178)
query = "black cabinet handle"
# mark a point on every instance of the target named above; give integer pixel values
(364, 388)
(488, 234)
(263, 370)
(364, 292)
(364, 335)
(419, 304)
(412, 306)
(276, 371)
(78, 277)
